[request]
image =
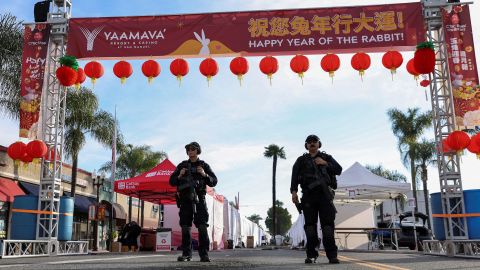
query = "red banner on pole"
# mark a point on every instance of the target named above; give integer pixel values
(321, 30)
(462, 65)
(35, 46)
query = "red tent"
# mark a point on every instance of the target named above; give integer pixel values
(151, 186)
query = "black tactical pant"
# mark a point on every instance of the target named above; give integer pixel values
(199, 216)
(314, 206)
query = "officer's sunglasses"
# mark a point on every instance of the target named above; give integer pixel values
(191, 149)
(312, 141)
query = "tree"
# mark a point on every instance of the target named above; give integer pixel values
(390, 175)
(408, 127)
(275, 152)
(83, 117)
(11, 46)
(283, 219)
(132, 161)
(425, 154)
(255, 218)
(386, 173)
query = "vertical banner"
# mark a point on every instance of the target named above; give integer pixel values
(34, 58)
(462, 65)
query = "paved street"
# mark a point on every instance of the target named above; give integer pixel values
(243, 259)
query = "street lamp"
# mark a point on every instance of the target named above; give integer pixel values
(98, 181)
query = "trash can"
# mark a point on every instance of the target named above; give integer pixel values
(278, 240)
(164, 239)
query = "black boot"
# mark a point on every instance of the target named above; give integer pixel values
(184, 258)
(205, 258)
(311, 260)
(333, 261)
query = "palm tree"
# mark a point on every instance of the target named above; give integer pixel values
(11, 46)
(386, 173)
(255, 218)
(132, 161)
(83, 117)
(425, 154)
(276, 152)
(390, 175)
(408, 127)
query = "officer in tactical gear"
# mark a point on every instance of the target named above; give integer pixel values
(315, 172)
(191, 178)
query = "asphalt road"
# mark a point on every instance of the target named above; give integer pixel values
(243, 259)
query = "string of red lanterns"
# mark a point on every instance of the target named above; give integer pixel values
(392, 60)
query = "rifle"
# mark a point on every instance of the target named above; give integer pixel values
(190, 184)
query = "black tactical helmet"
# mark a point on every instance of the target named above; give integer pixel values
(195, 145)
(312, 137)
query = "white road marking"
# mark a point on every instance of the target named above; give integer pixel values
(104, 259)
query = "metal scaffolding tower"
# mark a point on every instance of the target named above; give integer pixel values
(453, 205)
(53, 117)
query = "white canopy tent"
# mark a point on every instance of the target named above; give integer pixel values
(358, 183)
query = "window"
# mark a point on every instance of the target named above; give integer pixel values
(3, 219)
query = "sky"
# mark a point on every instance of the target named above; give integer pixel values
(233, 124)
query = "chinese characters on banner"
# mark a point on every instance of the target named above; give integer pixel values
(462, 67)
(281, 32)
(35, 46)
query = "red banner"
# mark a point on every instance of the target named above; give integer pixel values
(309, 31)
(34, 58)
(462, 65)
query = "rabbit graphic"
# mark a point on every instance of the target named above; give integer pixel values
(204, 41)
(457, 82)
(31, 94)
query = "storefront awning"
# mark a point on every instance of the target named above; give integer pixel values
(118, 211)
(81, 202)
(9, 189)
(29, 188)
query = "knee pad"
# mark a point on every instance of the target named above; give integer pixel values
(186, 229)
(202, 227)
(328, 230)
(310, 229)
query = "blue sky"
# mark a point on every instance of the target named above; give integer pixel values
(234, 124)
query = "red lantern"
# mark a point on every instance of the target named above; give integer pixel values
(151, 69)
(208, 68)
(80, 77)
(26, 159)
(239, 67)
(446, 148)
(330, 63)
(474, 146)
(50, 154)
(93, 70)
(36, 149)
(425, 83)
(67, 76)
(16, 151)
(179, 68)
(361, 62)
(424, 58)
(392, 60)
(411, 69)
(458, 140)
(122, 70)
(268, 66)
(299, 64)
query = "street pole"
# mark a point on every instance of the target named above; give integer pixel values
(97, 182)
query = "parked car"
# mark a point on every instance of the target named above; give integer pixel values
(406, 236)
